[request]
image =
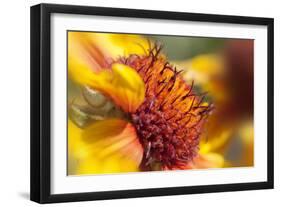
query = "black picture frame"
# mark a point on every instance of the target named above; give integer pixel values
(41, 99)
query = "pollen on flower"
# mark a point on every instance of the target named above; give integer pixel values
(171, 118)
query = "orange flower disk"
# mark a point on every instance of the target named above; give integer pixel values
(171, 118)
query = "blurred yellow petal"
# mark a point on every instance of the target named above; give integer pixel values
(203, 67)
(216, 142)
(207, 70)
(76, 147)
(80, 72)
(88, 53)
(246, 133)
(109, 146)
(208, 63)
(126, 44)
(81, 49)
(95, 49)
(209, 160)
(122, 84)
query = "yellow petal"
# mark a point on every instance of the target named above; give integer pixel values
(207, 70)
(246, 133)
(109, 146)
(94, 49)
(127, 88)
(208, 63)
(203, 68)
(125, 44)
(76, 146)
(122, 84)
(209, 160)
(216, 142)
(87, 56)
(82, 48)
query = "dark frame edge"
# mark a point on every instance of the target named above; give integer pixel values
(35, 25)
(155, 14)
(270, 102)
(171, 191)
(39, 104)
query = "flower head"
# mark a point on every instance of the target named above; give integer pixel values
(170, 119)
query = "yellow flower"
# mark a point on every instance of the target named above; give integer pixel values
(162, 116)
(94, 150)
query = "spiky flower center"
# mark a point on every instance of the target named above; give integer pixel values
(170, 119)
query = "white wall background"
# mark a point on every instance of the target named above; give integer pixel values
(14, 102)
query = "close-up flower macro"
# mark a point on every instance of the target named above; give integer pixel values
(158, 103)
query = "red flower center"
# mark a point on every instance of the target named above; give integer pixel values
(171, 118)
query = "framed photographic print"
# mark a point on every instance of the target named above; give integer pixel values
(132, 103)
